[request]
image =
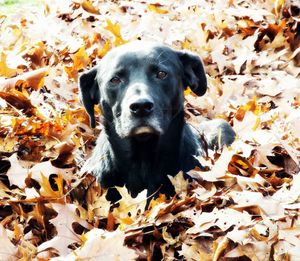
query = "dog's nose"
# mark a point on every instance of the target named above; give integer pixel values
(141, 107)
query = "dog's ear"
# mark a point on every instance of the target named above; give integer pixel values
(89, 93)
(194, 73)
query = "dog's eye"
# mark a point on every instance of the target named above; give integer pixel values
(161, 75)
(115, 80)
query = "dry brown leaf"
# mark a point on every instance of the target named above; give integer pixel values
(180, 183)
(129, 207)
(100, 245)
(66, 216)
(33, 79)
(245, 207)
(8, 249)
(222, 245)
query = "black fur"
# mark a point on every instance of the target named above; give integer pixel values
(139, 150)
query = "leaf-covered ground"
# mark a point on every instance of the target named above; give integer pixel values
(244, 207)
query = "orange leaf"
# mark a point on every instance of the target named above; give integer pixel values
(20, 101)
(87, 6)
(240, 114)
(110, 222)
(71, 72)
(127, 220)
(34, 79)
(36, 53)
(80, 59)
(252, 106)
(156, 201)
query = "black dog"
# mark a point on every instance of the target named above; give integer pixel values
(139, 88)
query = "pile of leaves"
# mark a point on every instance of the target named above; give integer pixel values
(244, 207)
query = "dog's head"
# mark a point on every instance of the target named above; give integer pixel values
(139, 87)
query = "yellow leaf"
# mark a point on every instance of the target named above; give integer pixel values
(242, 163)
(47, 190)
(186, 45)
(59, 181)
(157, 9)
(127, 220)
(277, 6)
(221, 246)
(168, 237)
(4, 69)
(8, 143)
(156, 201)
(115, 29)
(252, 106)
(188, 91)
(256, 125)
(105, 49)
(87, 6)
(80, 59)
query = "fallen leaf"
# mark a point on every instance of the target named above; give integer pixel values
(156, 8)
(66, 216)
(99, 245)
(128, 206)
(19, 101)
(4, 69)
(180, 183)
(88, 6)
(8, 249)
(17, 173)
(115, 29)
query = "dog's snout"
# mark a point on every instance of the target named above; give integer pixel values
(141, 107)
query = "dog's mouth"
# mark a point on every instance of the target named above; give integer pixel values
(143, 130)
(144, 133)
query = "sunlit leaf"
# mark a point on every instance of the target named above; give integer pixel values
(157, 9)
(115, 29)
(87, 6)
(4, 69)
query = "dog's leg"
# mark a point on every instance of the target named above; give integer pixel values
(217, 133)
